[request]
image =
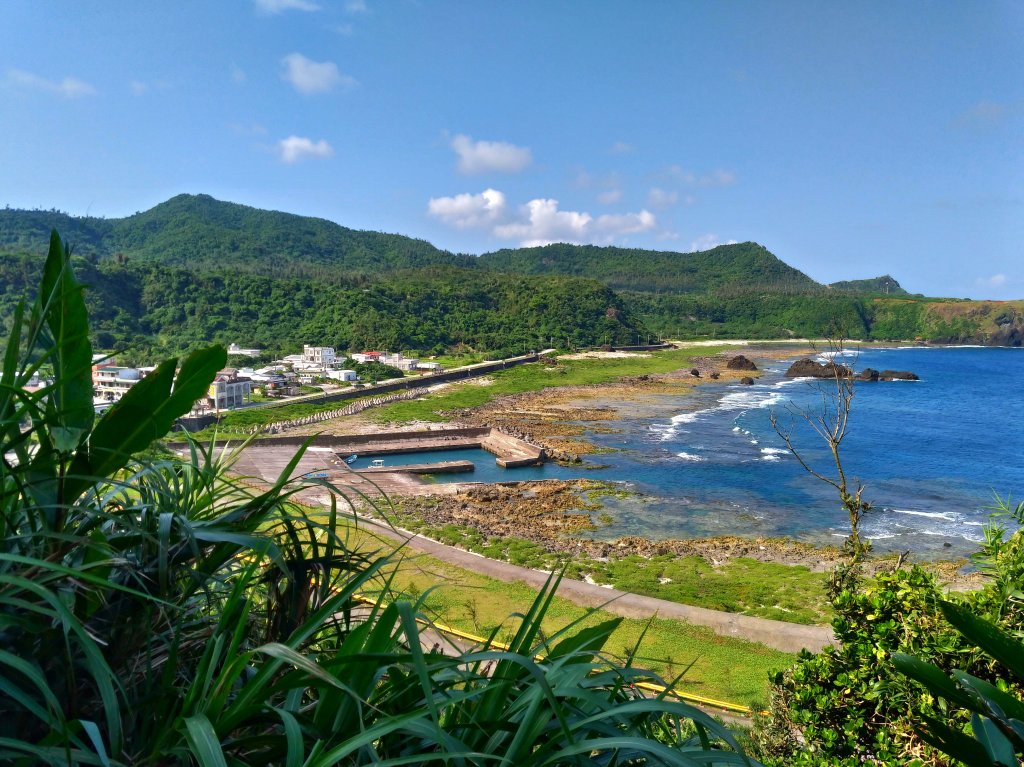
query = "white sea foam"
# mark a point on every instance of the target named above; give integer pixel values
(774, 451)
(770, 458)
(691, 457)
(688, 417)
(949, 516)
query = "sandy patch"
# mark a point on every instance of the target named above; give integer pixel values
(599, 355)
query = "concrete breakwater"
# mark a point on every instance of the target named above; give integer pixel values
(351, 409)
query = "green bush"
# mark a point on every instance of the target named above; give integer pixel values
(850, 704)
(157, 613)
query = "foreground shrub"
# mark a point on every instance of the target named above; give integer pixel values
(850, 705)
(159, 612)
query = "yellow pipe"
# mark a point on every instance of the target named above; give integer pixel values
(649, 686)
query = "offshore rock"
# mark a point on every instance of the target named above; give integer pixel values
(747, 381)
(739, 362)
(807, 368)
(897, 375)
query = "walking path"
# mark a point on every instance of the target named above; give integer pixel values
(788, 637)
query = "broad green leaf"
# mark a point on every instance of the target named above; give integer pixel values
(204, 742)
(146, 412)
(70, 400)
(996, 745)
(934, 679)
(589, 640)
(953, 742)
(987, 636)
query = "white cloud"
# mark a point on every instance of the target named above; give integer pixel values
(484, 156)
(538, 222)
(355, 6)
(621, 147)
(138, 87)
(660, 198)
(542, 223)
(271, 7)
(708, 241)
(296, 148)
(612, 226)
(995, 281)
(69, 87)
(238, 74)
(468, 210)
(610, 197)
(984, 113)
(310, 76)
(718, 177)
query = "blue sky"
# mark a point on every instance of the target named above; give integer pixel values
(851, 139)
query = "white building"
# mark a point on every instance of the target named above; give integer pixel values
(110, 382)
(321, 356)
(238, 350)
(432, 367)
(342, 375)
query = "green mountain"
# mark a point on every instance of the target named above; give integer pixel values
(194, 269)
(742, 266)
(199, 232)
(876, 286)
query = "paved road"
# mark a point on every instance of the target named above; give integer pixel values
(788, 637)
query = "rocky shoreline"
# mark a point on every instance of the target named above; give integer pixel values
(554, 418)
(559, 515)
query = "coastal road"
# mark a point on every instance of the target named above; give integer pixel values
(788, 637)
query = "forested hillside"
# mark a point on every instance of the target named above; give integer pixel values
(158, 310)
(745, 265)
(200, 232)
(876, 286)
(195, 269)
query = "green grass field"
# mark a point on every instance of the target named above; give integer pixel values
(716, 667)
(790, 593)
(534, 377)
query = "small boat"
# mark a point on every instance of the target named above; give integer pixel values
(351, 459)
(377, 464)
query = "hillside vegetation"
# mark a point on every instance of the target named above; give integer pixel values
(876, 286)
(194, 269)
(742, 266)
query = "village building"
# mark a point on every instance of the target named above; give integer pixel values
(229, 390)
(320, 356)
(110, 382)
(235, 349)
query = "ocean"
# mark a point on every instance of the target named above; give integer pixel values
(933, 454)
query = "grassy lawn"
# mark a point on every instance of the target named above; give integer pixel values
(534, 377)
(722, 668)
(790, 593)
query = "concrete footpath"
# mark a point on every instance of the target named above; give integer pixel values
(788, 637)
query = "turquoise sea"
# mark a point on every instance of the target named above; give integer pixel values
(933, 454)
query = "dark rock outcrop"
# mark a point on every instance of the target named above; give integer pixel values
(810, 369)
(695, 373)
(898, 375)
(807, 368)
(739, 362)
(747, 381)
